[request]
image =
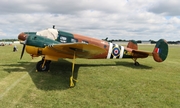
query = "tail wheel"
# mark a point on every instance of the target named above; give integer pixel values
(40, 67)
(136, 63)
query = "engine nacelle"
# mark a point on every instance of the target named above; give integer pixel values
(34, 50)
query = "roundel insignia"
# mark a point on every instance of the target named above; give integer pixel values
(116, 51)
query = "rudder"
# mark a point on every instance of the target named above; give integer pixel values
(160, 51)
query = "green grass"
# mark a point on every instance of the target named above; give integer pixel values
(101, 83)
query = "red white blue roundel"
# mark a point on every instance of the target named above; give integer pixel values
(116, 51)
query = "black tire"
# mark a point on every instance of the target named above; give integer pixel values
(136, 64)
(39, 66)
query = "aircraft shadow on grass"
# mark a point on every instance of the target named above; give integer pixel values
(18, 67)
(118, 63)
(58, 77)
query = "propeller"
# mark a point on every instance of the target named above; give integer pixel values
(22, 53)
(23, 37)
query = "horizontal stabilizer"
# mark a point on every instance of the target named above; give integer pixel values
(140, 54)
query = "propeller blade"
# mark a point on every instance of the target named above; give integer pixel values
(22, 53)
(22, 37)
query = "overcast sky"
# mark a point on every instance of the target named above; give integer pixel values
(115, 19)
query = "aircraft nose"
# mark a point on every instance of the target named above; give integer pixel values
(22, 36)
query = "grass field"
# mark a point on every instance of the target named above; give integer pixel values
(101, 83)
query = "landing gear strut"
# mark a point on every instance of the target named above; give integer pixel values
(43, 65)
(72, 74)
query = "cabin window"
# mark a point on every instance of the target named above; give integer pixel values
(63, 39)
(83, 41)
(74, 40)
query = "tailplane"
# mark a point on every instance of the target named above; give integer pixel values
(160, 51)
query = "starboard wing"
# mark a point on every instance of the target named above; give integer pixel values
(81, 50)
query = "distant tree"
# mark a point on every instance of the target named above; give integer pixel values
(106, 39)
(172, 42)
(152, 41)
(139, 41)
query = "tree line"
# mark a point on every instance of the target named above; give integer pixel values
(139, 41)
(112, 40)
(8, 40)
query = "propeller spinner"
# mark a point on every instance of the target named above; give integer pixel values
(22, 36)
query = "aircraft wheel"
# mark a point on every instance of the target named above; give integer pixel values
(136, 64)
(40, 68)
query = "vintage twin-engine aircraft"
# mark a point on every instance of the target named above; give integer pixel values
(53, 44)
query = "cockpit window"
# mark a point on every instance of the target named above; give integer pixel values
(74, 40)
(63, 39)
(84, 41)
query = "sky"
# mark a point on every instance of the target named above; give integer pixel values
(115, 19)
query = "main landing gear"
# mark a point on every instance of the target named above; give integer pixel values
(43, 65)
(72, 74)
